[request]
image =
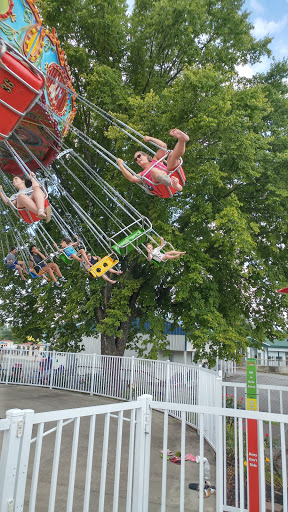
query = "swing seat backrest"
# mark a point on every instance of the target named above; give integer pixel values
(103, 265)
(7, 265)
(125, 245)
(159, 189)
(33, 274)
(28, 216)
(65, 258)
(283, 290)
(21, 86)
(166, 192)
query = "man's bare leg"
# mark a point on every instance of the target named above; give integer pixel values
(84, 256)
(179, 150)
(23, 266)
(55, 269)
(19, 268)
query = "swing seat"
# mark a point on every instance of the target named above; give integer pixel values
(31, 217)
(34, 274)
(64, 258)
(166, 192)
(103, 266)
(21, 85)
(125, 246)
(158, 263)
(158, 189)
(6, 263)
(283, 290)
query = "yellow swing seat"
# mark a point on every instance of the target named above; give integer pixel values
(102, 266)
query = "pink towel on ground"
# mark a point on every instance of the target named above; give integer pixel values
(190, 457)
(169, 453)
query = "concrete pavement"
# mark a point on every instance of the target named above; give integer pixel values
(42, 399)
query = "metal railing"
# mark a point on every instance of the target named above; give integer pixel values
(60, 459)
(125, 378)
(228, 368)
(270, 398)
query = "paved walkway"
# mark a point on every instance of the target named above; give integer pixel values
(42, 399)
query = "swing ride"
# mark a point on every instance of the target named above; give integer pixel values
(33, 67)
(283, 290)
(37, 108)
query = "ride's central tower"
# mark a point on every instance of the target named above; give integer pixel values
(42, 126)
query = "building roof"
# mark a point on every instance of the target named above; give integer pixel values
(167, 327)
(276, 343)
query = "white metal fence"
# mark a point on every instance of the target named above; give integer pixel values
(228, 368)
(124, 378)
(270, 398)
(104, 458)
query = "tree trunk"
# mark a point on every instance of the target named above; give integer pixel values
(113, 345)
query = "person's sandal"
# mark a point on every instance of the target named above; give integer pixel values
(176, 460)
(207, 492)
(48, 212)
(41, 214)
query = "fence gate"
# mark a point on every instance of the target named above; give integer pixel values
(45, 457)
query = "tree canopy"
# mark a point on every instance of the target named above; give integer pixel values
(161, 67)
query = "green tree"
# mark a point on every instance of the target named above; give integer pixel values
(166, 36)
(5, 332)
(174, 66)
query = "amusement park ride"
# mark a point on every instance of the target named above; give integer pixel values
(37, 109)
(33, 68)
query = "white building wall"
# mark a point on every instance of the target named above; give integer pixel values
(92, 345)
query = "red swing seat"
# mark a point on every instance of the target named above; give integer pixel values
(159, 189)
(21, 85)
(28, 216)
(166, 192)
(283, 290)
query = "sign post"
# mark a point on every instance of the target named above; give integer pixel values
(252, 438)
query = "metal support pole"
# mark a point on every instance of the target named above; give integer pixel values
(52, 368)
(140, 497)
(10, 458)
(131, 379)
(92, 374)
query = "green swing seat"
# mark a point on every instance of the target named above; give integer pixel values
(125, 245)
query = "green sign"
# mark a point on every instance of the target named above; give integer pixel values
(251, 378)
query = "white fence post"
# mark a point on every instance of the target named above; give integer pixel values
(10, 458)
(23, 459)
(140, 498)
(131, 379)
(52, 356)
(92, 374)
(8, 366)
(167, 395)
(220, 461)
(218, 390)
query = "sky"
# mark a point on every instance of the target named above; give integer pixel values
(269, 17)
